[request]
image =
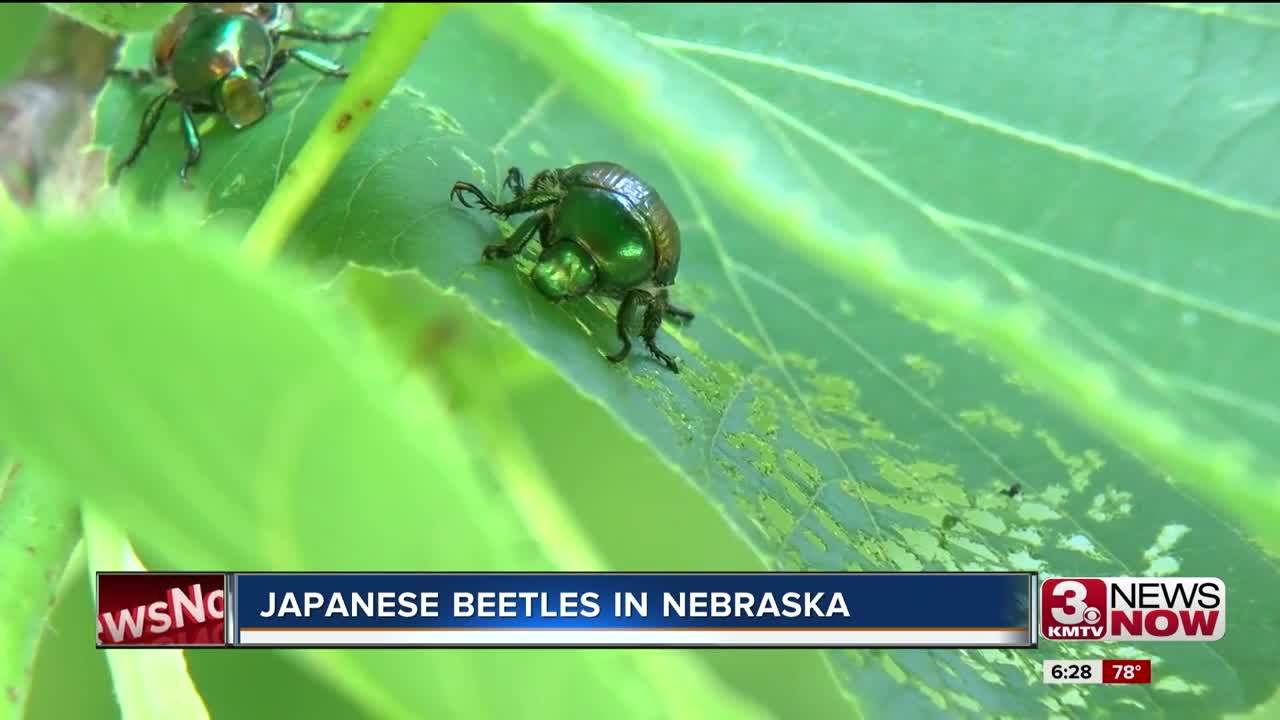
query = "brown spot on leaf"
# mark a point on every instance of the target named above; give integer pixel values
(31, 551)
(435, 337)
(366, 103)
(12, 692)
(343, 121)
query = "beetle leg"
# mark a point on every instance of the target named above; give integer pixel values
(150, 118)
(192, 137)
(515, 182)
(324, 66)
(302, 32)
(528, 202)
(545, 182)
(544, 235)
(652, 321)
(278, 61)
(460, 187)
(679, 313)
(625, 311)
(525, 203)
(521, 237)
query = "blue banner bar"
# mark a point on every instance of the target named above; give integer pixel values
(636, 609)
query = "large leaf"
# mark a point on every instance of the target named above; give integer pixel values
(38, 531)
(119, 17)
(227, 422)
(149, 685)
(234, 684)
(520, 408)
(1061, 174)
(18, 35)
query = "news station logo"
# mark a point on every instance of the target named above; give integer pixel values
(161, 609)
(1133, 609)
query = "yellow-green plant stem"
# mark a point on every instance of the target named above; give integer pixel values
(150, 684)
(396, 38)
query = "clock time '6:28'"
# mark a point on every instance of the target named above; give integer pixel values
(1073, 671)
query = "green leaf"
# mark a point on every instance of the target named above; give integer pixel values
(611, 481)
(895, 255)
(148, 685)
(38, 532)
(392, 45)
(228, 422)
(234, 684)
(119, 17)
(18, 34)
(935, 252)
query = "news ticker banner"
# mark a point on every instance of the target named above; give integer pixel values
(838, 610)
(922, 610)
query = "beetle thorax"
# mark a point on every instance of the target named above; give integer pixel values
(564, 270)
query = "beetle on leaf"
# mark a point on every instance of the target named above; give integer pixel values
(602, 230)
(221, 58)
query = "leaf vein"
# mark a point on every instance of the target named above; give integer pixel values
(1218, 11)
(1118, 275)
(911, 392)
(364, 177)
(535, 111)
(1029, 137)
(740, 294)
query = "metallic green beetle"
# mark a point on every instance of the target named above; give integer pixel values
(222, 58)
(602, 230)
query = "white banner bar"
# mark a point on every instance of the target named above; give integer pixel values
(726, 638)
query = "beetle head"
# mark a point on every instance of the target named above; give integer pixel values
(241, 98)
(563, 271)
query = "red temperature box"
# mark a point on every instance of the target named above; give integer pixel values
(1126, 672)
(152, 609)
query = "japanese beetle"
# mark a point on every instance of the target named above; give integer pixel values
(221, 58)
(602, 231)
